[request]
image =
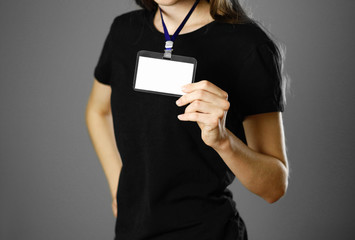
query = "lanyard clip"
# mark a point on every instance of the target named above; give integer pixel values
(168, 49)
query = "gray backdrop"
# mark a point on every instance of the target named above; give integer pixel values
(52, 185)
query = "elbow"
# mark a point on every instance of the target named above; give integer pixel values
(279, 188)
(276, 195)
(92, 112)
(278, 191)
(88, 110)
(87, 115)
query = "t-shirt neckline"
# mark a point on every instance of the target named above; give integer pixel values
(194, 33)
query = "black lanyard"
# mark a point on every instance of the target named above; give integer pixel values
(170, 41)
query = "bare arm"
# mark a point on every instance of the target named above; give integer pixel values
(262, 165)
(100, 126)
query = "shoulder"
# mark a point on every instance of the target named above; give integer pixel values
(251, 34)
(127, 26)
(129, 18)
(251, 38)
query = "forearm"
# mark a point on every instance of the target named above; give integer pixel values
(261, 174)
(100, 128)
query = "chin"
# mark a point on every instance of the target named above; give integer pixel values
(167, 2)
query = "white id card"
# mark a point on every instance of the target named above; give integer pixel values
(156, 74)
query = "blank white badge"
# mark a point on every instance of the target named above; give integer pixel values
(155, 74)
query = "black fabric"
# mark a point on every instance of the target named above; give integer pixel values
(172, 185)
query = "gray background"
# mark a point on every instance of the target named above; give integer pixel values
(52, 185)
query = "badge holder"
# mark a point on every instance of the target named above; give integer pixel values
(155, 74)
(164, 73)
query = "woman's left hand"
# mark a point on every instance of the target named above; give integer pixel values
(208, 107)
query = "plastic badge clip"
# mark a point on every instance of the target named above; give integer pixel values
(168, 49)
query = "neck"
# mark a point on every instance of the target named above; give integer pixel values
(175, 13)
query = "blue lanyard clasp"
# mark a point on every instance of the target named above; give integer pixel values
(168, 49)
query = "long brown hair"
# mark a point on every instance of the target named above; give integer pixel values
(230, 11)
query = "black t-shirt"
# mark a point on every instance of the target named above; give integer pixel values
(172, 185)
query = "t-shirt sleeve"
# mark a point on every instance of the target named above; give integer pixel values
(102, 71)
(258, 86)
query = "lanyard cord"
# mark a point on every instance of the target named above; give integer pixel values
(169, 41)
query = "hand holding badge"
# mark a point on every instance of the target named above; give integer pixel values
(208, 107)
(164, 73)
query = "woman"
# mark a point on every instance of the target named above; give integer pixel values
(177, 155)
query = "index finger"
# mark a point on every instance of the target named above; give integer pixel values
(205, 85)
